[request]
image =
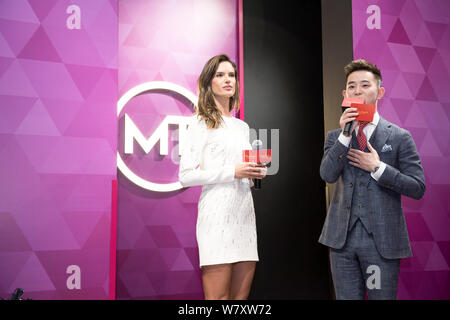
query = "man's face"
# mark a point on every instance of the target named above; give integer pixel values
(363, 84)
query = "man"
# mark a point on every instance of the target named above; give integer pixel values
(365, 226)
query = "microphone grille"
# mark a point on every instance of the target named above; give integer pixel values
(257, 144)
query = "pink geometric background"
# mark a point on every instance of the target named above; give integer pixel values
(412, 49)
(157, 255)
(58, 139)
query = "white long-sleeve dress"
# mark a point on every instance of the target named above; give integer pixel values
(226, 227)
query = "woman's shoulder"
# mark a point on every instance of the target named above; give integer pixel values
(240, 122)
(196, 121)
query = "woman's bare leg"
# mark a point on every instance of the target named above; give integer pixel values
(241, 279)
(217, 281)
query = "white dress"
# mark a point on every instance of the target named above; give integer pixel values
(226, 228)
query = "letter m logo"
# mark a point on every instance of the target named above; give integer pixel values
(161, 134)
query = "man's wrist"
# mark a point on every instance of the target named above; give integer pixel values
(376, 167)
(378, 173)
(344, 140)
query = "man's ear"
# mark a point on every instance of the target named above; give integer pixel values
(344, 93)
(381, 92)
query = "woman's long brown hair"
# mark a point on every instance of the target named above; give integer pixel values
(206, 107)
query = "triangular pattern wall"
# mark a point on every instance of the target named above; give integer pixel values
(58, 139)
(157, 254)
(412, 49)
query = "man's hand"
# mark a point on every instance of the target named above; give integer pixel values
(367, 161)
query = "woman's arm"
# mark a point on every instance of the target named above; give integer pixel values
(190, 173)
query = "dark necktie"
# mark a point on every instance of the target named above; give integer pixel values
(362, 139)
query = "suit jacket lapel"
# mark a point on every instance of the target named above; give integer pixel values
(377, 140)
(380, 135)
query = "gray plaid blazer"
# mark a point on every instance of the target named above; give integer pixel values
(403, 176)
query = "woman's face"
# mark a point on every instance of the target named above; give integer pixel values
(223, 83)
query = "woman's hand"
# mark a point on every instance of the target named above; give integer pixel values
(250, 170)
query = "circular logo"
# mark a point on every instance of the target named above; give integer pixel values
(130, 94)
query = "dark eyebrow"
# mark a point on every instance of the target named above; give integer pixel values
(353, 82)
(221, 72)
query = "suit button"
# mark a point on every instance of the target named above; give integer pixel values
(348, 207)
(360, 174)
(351, 185)
(359, 206)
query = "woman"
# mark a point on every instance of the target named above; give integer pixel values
(212, 158)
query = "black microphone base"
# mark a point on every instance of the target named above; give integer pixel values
(347, 128)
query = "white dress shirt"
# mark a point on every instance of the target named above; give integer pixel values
(368, 130)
